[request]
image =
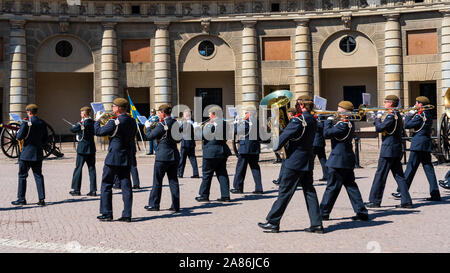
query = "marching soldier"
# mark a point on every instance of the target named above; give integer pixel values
(297, 168)
(420, 150)
(215, 155)
(166, 159)
(390, 155)
(187, 148)
(291, 112)
(33, 132)
(319, 149)
(134, 173)
(341, 164)
(85, 152)
(121, 131)
(249, 150)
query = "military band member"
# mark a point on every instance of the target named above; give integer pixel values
(341, 164)
(249, 150)
(85, 152)
(187, 148)
(291, 112)
(33, 132)
(121, 131)
(297, 168)
(215, 155)
(134, 174)
(420, 150)
(319, 149)
(167, 158)
(390, 155)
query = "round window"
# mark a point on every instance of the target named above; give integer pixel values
(347, 44)
(206, 48)
(63, 48)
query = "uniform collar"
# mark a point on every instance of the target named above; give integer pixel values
(299, 114)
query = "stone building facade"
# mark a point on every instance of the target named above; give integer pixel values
(230, 52)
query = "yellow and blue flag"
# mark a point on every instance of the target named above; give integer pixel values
(133, 111)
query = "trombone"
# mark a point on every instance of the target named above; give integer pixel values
(352, 116)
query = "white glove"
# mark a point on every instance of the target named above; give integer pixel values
(379, 114)
(147, 124)
(330, 118)
(99, 114)
(412, 112)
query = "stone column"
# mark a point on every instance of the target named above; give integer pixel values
(18, 88)
(250, 86)
(109, 73)
(445, 52)
(393, 57)
(163, 90)
(303, 67)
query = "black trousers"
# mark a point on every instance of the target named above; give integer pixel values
(184, 153)
(320, 153)
(290, 179)
(218, 166)
(77, 173)
(415, 159)
(24, 167)
(134, 175)
(241, 170)
(386, 164)
(160, 169)
(336, 178)
(123, 174)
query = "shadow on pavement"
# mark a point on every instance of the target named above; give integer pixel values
(354, 224)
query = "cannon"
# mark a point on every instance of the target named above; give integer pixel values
(12, 147)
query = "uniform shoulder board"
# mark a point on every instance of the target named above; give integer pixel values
(296, 119)
(390, 116)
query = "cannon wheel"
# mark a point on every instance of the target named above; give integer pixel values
(443, 134)
(9, 143)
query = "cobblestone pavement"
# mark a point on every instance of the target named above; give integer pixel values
(69, 224)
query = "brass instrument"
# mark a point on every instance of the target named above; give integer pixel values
(425, 107)
(105, 118)
(278, 99)
(353, 116)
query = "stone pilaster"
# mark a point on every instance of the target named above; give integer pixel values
(393, 57)
(18, 87)
(249, 79)
(303, 67)
(163, 90)
(445, 51)
(109, 73)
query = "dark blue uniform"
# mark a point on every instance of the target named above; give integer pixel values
(340, 167)
(297, 168)
(32, 154)
(390, 158)
(85, 154)
(215, 155)
(319, 148)
(187, 148)
(166, 161)
(134, 173)
(420, 150)
(118, 161)
(249, 150)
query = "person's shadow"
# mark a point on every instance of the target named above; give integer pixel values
(185, 212)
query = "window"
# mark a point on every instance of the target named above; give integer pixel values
(136, 51)
(206, 48)
(64, 48)
(136, 10)
(347, 44)
(422, 42)
(275, 7)
(276, 48)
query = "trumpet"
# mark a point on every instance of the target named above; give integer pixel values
(353, 116)
(425, 107)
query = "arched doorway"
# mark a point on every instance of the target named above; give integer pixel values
(63, 80)
(206, 69)
(348, 68)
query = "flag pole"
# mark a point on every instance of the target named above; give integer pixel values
(137, 124)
